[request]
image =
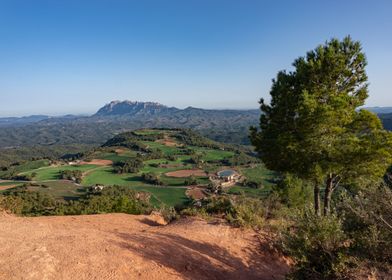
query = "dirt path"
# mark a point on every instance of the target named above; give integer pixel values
(6, 187)
(119, 246)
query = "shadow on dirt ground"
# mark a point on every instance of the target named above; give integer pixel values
(203, 260)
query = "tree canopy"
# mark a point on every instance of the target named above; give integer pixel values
(313, 127)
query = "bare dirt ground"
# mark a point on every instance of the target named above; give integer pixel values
(101, 162)
(2, 188)
(168, 142)
(186, 173)
(119, 246)
(120, 151)
(195, 193)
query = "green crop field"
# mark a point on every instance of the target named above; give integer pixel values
(105, 176)
(60, 189)
(259, 174)
(212, 155)
(53, 173)
(173, 189)
(162, 170)
(24, 167)
(147, 132)
(165, 195)
(165, 149)
(115, 157)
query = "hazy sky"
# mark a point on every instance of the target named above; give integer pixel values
(65, 56)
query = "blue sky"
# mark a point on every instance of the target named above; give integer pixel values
(66, 56)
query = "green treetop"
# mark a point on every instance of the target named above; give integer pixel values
(312, 127)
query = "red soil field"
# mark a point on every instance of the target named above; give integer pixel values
(195, 193)
(168, 142)
(2, 188)
(186, 173)
(97, 162)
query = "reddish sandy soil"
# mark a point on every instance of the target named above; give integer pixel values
(195, 193)
(168, 142)
(119, 246)
(98, 162)
(120, 151)
(186, 173)
(2, 188)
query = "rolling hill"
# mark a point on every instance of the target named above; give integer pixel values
(170, 164)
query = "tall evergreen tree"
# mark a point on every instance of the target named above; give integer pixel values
(312, 127)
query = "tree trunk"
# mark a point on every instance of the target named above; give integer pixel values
(317, 199)
(328, 195)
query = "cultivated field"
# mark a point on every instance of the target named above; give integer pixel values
(170, 155)
(186, 173)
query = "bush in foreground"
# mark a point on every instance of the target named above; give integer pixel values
(238, 211)
(318, 246)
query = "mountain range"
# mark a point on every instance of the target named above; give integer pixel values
(379, 110)
(118, 116)
(229, 126)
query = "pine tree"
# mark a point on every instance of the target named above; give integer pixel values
(312, 127)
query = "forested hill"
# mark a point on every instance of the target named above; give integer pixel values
(386, 120)
(222, 125)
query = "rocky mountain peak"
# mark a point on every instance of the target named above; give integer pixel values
(128, 107)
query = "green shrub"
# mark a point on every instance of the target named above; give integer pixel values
(239, 211)
(111, 199)
(318, 246)
(368, 221)
(247, 212)
(294, 192)
(73, 175)
(168, 213)
(128, 166)
(219, 205)
(152, 178)
(191, 180)
(23, 202)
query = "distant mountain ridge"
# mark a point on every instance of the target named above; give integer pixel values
(231, 126)
(22, 120)
(379, 110)
(133, 108)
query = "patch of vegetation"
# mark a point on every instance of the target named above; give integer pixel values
(318, 245)
(239, 211)
(129, 166)
(141, 159)
(109, 200)
(335, 152)
(13, 170)
(72, 175)
(54, 173)
(152, 179)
